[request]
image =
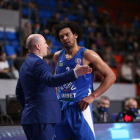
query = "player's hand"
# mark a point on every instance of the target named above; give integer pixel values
(81, 70)
(85, 102)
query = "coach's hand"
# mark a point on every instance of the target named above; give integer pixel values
(85, 102)
(81, 70)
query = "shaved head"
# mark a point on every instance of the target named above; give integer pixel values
(36, 44)
(32, 40)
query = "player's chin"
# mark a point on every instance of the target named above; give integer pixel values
(67, 46)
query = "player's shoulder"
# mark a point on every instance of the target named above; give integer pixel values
(56, 56)
(89, 53)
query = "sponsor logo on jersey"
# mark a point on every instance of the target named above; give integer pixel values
(77, 60)
(68, 95)
(60, 64)
(67, 87)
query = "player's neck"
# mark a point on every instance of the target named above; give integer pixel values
(70, 53)
(73, 50)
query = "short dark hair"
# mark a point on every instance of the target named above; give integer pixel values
(70, 24)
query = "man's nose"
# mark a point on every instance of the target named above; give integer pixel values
(65, 37)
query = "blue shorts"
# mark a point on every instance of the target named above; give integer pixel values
(75, 124)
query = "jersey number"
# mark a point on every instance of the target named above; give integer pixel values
(67, 68)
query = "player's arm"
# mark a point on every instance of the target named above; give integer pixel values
(55, 59)
(109, 77)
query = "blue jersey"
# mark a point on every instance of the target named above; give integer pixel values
(76, 90)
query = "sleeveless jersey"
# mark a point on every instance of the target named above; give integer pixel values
(76, 90)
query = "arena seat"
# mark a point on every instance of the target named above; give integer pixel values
(118, 58)
(40, 2)
(11, 34)
(51, 3)
(101, 9)
(82, 43)
(9, 49)
(66, 4)
(72, 17)
(48, 14)
(26, 11)
(13, 107)
(41, 13)
(45, 14)
(15, 42)
(54, 49)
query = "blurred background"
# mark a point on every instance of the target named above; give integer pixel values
(110, 27)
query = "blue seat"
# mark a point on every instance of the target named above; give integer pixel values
(15, 42)
(44, 14)
(11, 36)
(82, 42)
(43, 21)
(66, 4)
(40, 2)
(25, 11)
(26, 1)
(48, 37)
(47, 14)
(54, 49)
(9, 50)
(58, 44)
(72, 17)
(17, 49)
(55, 43)
(51, 3)
(61, 16)
(41, 14)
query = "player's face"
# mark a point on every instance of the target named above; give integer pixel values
(104, 103)
(67, 38)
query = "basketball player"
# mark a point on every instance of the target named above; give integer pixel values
(76, 97)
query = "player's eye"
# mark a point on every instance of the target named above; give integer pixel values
(61, 37)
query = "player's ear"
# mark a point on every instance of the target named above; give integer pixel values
(76, 36)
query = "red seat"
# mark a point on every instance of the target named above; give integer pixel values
(101, 9)
(118, 58)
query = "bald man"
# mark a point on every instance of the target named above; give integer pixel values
(35, 90)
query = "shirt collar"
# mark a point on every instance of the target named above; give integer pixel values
(39, 56)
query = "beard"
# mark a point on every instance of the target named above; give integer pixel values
(68, 47)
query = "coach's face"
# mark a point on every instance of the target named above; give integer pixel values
(44, 47)
(67, 38)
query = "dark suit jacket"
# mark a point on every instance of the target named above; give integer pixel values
(36, 93)
(97, 116)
